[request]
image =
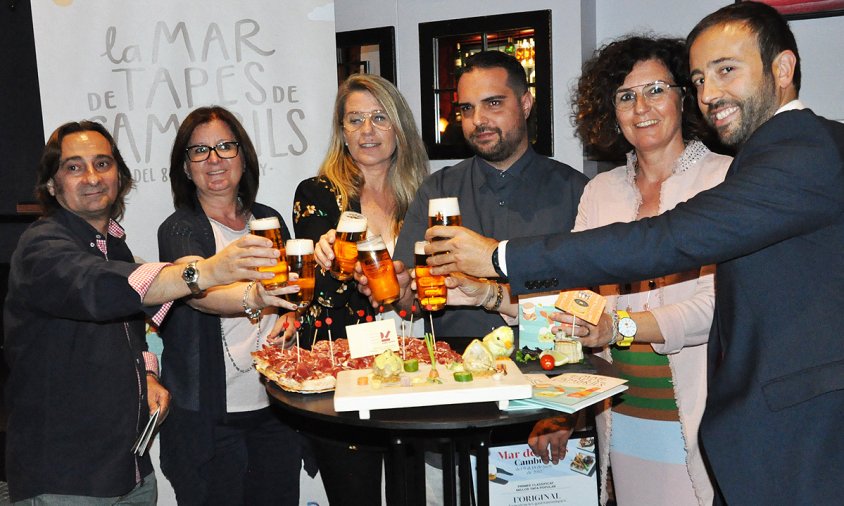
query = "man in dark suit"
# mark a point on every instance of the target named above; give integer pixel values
(775, 227)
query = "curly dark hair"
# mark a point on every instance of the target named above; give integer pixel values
(52, 156)
(184, 190)
(593, 111)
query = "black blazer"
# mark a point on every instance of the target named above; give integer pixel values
(772, 426)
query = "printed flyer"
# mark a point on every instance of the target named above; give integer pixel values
(517, 476)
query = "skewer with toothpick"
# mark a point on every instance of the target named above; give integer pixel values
(328, 322)
(402, 314)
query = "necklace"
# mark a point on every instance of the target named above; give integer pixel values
(229, 353)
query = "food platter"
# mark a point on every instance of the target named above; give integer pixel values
(313, 371)
(353, 394)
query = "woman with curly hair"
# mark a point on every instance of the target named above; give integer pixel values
(633, 99)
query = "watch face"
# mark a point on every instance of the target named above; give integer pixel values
(627, 327)
(190, 274)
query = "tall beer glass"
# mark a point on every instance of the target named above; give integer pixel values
(300, 259)
(350, 229)
(271, 229)
(430, 290)
(378, 267)
(444, 211)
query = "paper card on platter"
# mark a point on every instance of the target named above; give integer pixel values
(517, 476)
(367, 339)
(584, 304)
(534, 323)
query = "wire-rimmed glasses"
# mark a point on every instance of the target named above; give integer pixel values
(354, 120)
(654, 93)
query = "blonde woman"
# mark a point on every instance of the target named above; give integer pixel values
(375, 163)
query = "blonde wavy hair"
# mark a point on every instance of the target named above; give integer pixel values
(410, 161)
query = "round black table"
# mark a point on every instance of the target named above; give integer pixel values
(406, 433)
(458, 429)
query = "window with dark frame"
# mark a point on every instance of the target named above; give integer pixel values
(354, 46)
(444, 45)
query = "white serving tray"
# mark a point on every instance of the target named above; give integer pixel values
(350, 396)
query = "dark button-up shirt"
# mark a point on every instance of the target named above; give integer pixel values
(535, 196)
(74, 339)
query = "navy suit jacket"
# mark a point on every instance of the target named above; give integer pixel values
(773, 429)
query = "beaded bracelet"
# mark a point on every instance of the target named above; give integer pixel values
(252, 313)
(499, 297)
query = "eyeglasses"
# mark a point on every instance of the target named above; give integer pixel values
(654, 93)
(354, 120)
(201, 152)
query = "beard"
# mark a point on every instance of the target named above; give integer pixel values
(506, 146)
(755, 110)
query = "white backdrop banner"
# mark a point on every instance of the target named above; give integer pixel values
(140, 67)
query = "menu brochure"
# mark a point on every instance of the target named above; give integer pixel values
(568, 392)
(142, 443)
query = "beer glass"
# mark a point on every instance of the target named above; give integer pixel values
(378, 268)
(350, 229)
(271, 229)
(300, 259)
(430, 289)
(444, 211)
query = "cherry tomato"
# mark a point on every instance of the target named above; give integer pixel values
(547, 362)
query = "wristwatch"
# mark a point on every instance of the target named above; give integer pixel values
(191, 277)
(626, 328)
(496, 265)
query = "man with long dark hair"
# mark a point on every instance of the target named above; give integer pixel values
(81, 385)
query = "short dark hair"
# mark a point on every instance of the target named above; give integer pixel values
(773, 34)
(593, 107)
(516, 79)
(184, 190)
(52, 156)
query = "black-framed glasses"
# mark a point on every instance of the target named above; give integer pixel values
(654, 93)
(354, 120)
(201, 152)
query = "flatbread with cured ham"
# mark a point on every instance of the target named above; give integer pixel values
(312, 371)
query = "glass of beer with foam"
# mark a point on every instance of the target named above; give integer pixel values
(444, 211)
(271, 229)
(430, 289)
(350, 229)
(300, 259)
(378, 267)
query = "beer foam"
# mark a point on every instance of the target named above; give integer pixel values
(447, 206)
(264, 223)
(374, 243)
(299, 247)
(419, 247)
(352, 222)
